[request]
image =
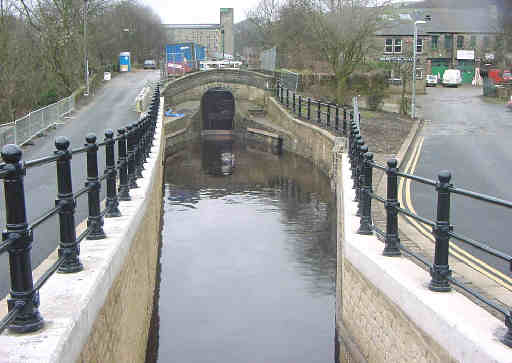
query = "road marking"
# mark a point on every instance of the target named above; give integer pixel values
(495, 275)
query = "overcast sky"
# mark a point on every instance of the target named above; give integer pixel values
(198, 11)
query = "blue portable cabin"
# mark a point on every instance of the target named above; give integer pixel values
(186, 54)
(125, 63)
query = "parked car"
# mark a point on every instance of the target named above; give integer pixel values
(431, 80)
(149, 64)
(507, 76)
(452, 77)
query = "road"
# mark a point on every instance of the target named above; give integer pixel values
(470, 137)
(111, 107)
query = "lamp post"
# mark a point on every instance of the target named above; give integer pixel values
(86, 58)
(415, 46)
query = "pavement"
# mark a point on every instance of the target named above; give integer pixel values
(112, 106)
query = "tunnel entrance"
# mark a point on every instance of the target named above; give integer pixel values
(218, 109)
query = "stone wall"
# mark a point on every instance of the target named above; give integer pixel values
(103, 313)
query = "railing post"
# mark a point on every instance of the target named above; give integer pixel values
(319, 112)
(337, 119)
(287, 98)
(440, 271)
(309, 109)
(392, 240)
(22, 295)
(365, 226)
(138, 149)
(293, 98)
(362, 149)
(95, 220)
(112, 209)
(328, 115)
(282, 94)
(132, 178)
(507, 339)
(300, 106)
(344, 121)
(124, 188)
(69, 248)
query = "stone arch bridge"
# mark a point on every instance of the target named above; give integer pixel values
(222, 95)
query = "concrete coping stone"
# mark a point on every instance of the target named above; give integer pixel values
(263, 132)
(70, 303)
(465, 330)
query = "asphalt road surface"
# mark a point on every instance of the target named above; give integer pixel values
(112, 107)
(470, 137)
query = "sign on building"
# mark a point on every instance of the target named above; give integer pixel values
(466, 54)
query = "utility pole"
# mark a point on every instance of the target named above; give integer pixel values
(86, 58)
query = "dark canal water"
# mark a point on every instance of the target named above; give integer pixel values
(248, 258)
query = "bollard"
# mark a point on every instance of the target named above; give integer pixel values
(300, 106)
(440, 271)
(69, 248)
(122, 164)
(391, 239)
(22, 295)
(132, 178)
(95, 220)
(112, 209)
(309, 109)
(365, 227)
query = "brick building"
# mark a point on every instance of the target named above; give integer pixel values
(217, 38)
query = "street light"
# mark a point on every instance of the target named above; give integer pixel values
(415, 46)
(86, 59)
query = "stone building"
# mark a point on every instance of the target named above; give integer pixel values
(217, 38)
(450, 38)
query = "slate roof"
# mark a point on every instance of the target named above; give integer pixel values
(443, 21)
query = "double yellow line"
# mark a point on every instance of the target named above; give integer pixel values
(464, 256)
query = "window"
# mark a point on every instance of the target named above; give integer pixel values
(393, 46)
(389, 46)
(419, 45)
(448, 41)
(419, 73)
(472, 41)
(398, 45)
(460, 41)
(435, 42)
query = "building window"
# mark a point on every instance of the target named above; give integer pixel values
(419, 45)
(419, 73)
(389, 46)
(472, 41)
(460, 41)
(398, 45)
(448, 41)
(435, 42)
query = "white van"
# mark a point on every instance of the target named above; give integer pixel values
(452, 77)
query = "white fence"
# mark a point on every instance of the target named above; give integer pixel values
(26, 128)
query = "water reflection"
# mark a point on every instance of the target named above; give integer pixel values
(248, 259)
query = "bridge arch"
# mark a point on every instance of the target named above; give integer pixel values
(218, 109)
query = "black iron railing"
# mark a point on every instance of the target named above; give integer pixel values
(362, 164)
(329, 116)
(134, 146)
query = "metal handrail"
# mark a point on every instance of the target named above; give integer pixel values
(362, 166)
(134, 143)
